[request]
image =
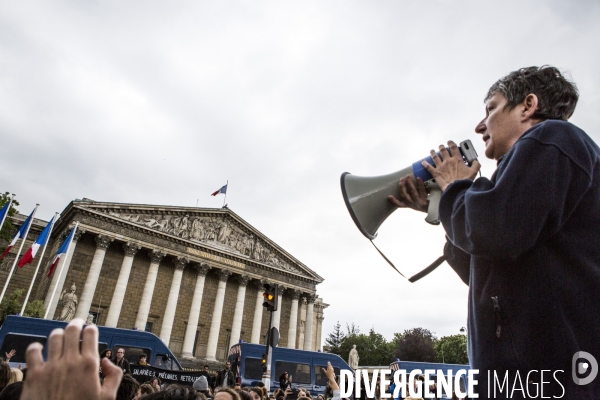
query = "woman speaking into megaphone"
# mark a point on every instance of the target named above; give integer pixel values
(526, 240)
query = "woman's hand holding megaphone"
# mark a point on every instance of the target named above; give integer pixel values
(450, 167)
(412, 194)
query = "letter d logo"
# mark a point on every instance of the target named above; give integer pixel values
(581, 368)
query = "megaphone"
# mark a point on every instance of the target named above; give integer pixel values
(366, 197)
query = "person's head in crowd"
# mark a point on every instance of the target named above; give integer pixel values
(284, 375)
(278, 393)
(106, 353)
(155, 382)
(146, 388)
(120, 354)
(302, 392)
(201, 385)
(128, 389)
(4, 374)
(227, 394)
(243, 395)
(237, 387)
(15, 375)
(175, 392)
(12, 391)
(320, 397)
(303, 398)
(262, 387)
(256, 393)
(206, 368)
(142, 360)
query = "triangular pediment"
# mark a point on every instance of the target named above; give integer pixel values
(215, 228)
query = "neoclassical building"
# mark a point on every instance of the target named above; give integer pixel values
(192, 276)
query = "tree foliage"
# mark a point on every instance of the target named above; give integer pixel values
(373, 349)
(12, 304)
(335, 339)
(452, 349)
(8, 229)
(415, 344)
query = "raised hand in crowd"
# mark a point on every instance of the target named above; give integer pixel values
(70, 372)
(10, 354)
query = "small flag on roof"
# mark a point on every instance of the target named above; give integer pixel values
(222, 190)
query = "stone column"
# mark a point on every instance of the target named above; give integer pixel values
(308, 331)
(190, 331)
(277, 314)
(291, 342)
(144, 309)
(85, 301)
(65, 264)
(320, 319)
(236, 326)
(169, 316)
(215, 325)
(119, 294)
(258, 313)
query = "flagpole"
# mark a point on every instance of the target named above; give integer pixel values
(226, 187)
(12, 196)
(62, 267)
(18, 253)
(39, 263)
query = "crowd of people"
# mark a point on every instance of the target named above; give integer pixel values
(74, 370)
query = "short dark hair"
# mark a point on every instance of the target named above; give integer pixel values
(12, 391)
(557, 96)
(143, 355)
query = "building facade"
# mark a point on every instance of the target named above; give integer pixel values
(192, 276)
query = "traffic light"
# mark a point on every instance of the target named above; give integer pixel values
(270, 296)
(263, 364)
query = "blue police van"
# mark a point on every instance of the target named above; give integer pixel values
(18, 332)
(409, 366)
(305, 367)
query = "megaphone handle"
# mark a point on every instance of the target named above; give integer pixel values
(433, 210)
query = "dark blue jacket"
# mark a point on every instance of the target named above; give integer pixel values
(527, 242)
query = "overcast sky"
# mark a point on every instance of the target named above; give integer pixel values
(163, 102)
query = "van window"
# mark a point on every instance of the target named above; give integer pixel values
(165, 362)
(253, 368)
(300, 372)
(19, 343)
(132, 354)
(320, 377)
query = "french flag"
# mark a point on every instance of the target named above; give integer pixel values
(4, 211)
(20, 234)
(39, 242)
(61, 252)
(222, 190)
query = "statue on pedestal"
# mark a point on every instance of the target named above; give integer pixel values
(353, 358)
(68, 303)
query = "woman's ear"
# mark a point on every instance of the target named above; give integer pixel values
(529, 107)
